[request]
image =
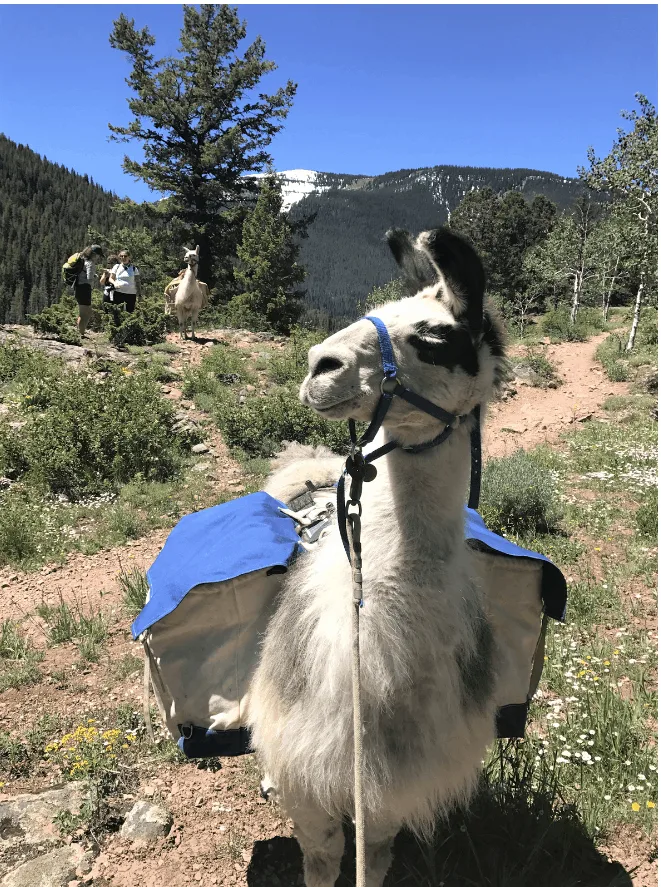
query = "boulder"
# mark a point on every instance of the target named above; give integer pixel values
(146, 822)
(53, 869)
(28, 819)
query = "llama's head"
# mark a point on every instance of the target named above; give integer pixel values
(192, 257)
(447, 346)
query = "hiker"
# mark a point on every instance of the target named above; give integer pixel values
(108, 288)
(125, 280)
(82, 289)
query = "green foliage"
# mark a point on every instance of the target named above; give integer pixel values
(502, 228)
(268, 272)
(630, 174)
(557, 325)
(210, 92)
(221, 366)
(59, 320)
(147, 325)
(18, 662)
(134, 589)
(543, 371)
(291, 364)
(71, 622)
(647, 515)
(85, 436)
(44, 212)
(392, 291)
(611, 354)
(520, 495)
(261, 424)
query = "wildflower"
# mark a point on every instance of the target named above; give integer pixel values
(607, 797)
(642, 776)
(631, 788)
(650, 804)
(635, 806)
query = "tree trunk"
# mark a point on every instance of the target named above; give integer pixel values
(636, 313)
(574, 304)
(608, 296)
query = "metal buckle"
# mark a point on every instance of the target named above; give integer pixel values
(392, 379)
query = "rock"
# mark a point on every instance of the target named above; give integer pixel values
(200, 448)
(146, 822)
(28, 819)
(202, 466)
(584, 418)
(54, 869)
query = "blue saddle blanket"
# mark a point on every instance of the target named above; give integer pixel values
(251, 533)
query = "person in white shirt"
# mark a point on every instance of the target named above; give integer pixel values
(125, 279)
(82, 290)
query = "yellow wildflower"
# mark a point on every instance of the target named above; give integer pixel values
(635, 806)
(650, 804)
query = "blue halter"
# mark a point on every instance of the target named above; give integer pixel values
(360, 467)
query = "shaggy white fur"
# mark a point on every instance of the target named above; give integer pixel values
(427, 668)
(190, 298)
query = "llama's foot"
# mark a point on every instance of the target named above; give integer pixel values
(322, 841)
(378, 855)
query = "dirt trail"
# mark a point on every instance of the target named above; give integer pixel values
(536, 415)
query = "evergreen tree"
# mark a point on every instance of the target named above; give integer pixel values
(630, 174)
(503, 228)
(202, 126)
(268, 271)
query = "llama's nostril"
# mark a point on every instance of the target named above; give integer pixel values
(327, 365)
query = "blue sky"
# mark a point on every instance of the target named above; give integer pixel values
(381, 87)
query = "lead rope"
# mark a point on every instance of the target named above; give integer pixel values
(360, 472)
(353, 528)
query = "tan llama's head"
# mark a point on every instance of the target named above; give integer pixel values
(192, 256)
(448, 347)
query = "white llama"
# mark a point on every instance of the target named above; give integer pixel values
(427, 654)
(190, 298)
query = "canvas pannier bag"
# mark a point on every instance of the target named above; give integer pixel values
(214, 586)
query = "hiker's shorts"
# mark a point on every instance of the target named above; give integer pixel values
(83, 293)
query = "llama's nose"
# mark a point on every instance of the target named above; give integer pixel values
(325, 364)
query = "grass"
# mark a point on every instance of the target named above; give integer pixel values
(134, 589)
(71, 622)
(18, 658)
(542, 371)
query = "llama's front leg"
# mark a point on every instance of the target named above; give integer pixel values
(378, 852)
(322, 841)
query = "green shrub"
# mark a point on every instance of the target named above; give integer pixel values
(23, 368)
(647, 515)
(557, 325)
(519, 495)
(26, 536)
(543, 371)
(86, 436)
(134, 589)
(612, 356)
(147, 325)
(58, 320)
(261, 424)
(221, 366)
(291, 364)
(17, 660)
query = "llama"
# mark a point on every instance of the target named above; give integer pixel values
(427, 652)
(190, 297)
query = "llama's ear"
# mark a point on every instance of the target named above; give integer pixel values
(197, 250)
(415, 264)
(462, 275)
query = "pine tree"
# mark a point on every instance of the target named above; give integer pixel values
(202, 126)
(268, 271)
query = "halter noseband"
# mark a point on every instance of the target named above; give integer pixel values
(360, 467)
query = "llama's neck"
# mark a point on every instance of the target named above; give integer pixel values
(422, 496)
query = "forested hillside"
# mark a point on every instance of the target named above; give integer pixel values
(345, 254)
(45, 210)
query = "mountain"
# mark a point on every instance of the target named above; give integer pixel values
(345, 254)
(45, 210)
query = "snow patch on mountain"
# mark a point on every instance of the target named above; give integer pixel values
(297, 184)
